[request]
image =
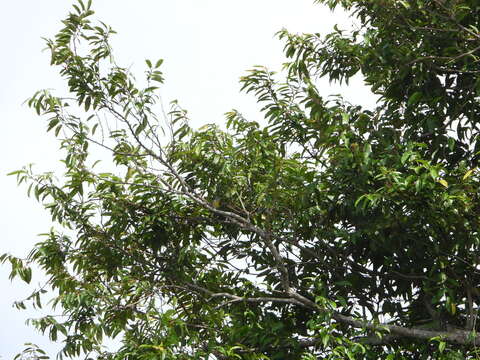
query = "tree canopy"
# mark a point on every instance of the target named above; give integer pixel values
(329, 232)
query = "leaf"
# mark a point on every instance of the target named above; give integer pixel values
(405, 157)
(443, 182)
(468, 174)
(88, 101)
(414, 98)
(453, 308)
(25, 274)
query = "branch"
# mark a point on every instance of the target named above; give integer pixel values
(235, 298)
(456, 336)
(373, 340)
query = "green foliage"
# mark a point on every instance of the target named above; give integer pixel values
(333, 232)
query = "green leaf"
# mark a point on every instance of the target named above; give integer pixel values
(414, 98)
(441, 346)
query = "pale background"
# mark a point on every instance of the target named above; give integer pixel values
(207, 45)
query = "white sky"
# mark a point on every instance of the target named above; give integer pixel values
(207, 45)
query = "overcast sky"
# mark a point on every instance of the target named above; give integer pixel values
(207, 45)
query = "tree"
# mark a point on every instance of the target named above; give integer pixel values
(332, 232)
